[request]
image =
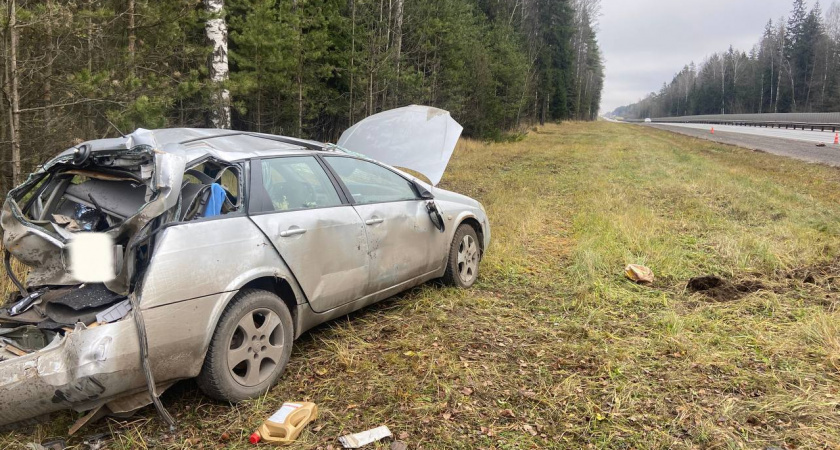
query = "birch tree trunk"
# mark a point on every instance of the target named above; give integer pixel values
(398, 22)
(14, 81)
(216, 30)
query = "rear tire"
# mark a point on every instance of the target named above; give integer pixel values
(250, 347)
(464, 258)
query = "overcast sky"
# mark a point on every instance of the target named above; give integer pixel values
(646, 42)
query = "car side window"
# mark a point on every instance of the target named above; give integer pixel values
(369, 182)
(297, 183)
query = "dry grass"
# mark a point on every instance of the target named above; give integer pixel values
(553, 348)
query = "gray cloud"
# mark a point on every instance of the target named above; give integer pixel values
(645, 42)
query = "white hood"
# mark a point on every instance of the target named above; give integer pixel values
(419, 138)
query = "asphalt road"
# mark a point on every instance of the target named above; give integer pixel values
(791, 143)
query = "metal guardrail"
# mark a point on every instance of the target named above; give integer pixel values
(812, 121)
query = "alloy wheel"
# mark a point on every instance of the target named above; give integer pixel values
(256, 347)
(467, 259)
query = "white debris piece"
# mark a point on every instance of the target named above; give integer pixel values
(365, 437)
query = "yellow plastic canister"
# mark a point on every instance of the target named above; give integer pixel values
(285, 425)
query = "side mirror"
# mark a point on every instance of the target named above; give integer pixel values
(435, 216)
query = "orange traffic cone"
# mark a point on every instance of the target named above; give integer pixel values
(836, 138)
(713, 130)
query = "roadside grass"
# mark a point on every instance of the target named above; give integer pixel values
(553, 347)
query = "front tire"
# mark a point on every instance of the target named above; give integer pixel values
(464, 258)
(250, 347)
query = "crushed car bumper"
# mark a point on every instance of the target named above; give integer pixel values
(81, 370)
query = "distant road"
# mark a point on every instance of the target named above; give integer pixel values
(810, 136)
(791, 143)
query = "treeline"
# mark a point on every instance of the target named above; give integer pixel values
(795, 67)
(81, 69)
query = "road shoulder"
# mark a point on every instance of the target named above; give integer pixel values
(804, 151)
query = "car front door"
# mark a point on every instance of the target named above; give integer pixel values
(313, 226)
(403, 243)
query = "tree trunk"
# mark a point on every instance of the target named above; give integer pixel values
(825, 75)
(352, 55)
(781, 64)
(89, 107)
(132, 38)
(14, 81)
(792, 88)
(48, 71)
(216, 31)
(300, 105)
(761, 102)
(723, 85)
(809, 83)
(398, 21)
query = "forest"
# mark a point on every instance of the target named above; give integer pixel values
(794, 67)
(82, 69)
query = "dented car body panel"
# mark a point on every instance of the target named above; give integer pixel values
(325, 254)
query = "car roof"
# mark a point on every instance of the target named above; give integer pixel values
(225, 145)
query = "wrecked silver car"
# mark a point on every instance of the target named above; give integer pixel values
(226, 246)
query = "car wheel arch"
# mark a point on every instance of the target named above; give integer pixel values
(280, 287)
(274, 283)
(479, 230)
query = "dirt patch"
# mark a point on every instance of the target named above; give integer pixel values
(825, 276)
(721, 290)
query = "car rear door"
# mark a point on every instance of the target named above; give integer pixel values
(402, 241)
(319, 235)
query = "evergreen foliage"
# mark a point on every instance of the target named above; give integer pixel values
(309, 68)
(795, 67)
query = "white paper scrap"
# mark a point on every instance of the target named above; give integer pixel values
(365, 437)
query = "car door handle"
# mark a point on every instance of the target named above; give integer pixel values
(374, 221)
(292, 232)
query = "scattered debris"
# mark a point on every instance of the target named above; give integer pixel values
(114, 313)
(62, 222)
(92, 416)
(638, 273)
(10, 348)
(820, 144)
(55, 444)
(398, 445)
(27, 302)
(285, 425)
(365, 437)
(27, 337)
(97, 441)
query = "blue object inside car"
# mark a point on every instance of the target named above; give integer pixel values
(215, 201)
